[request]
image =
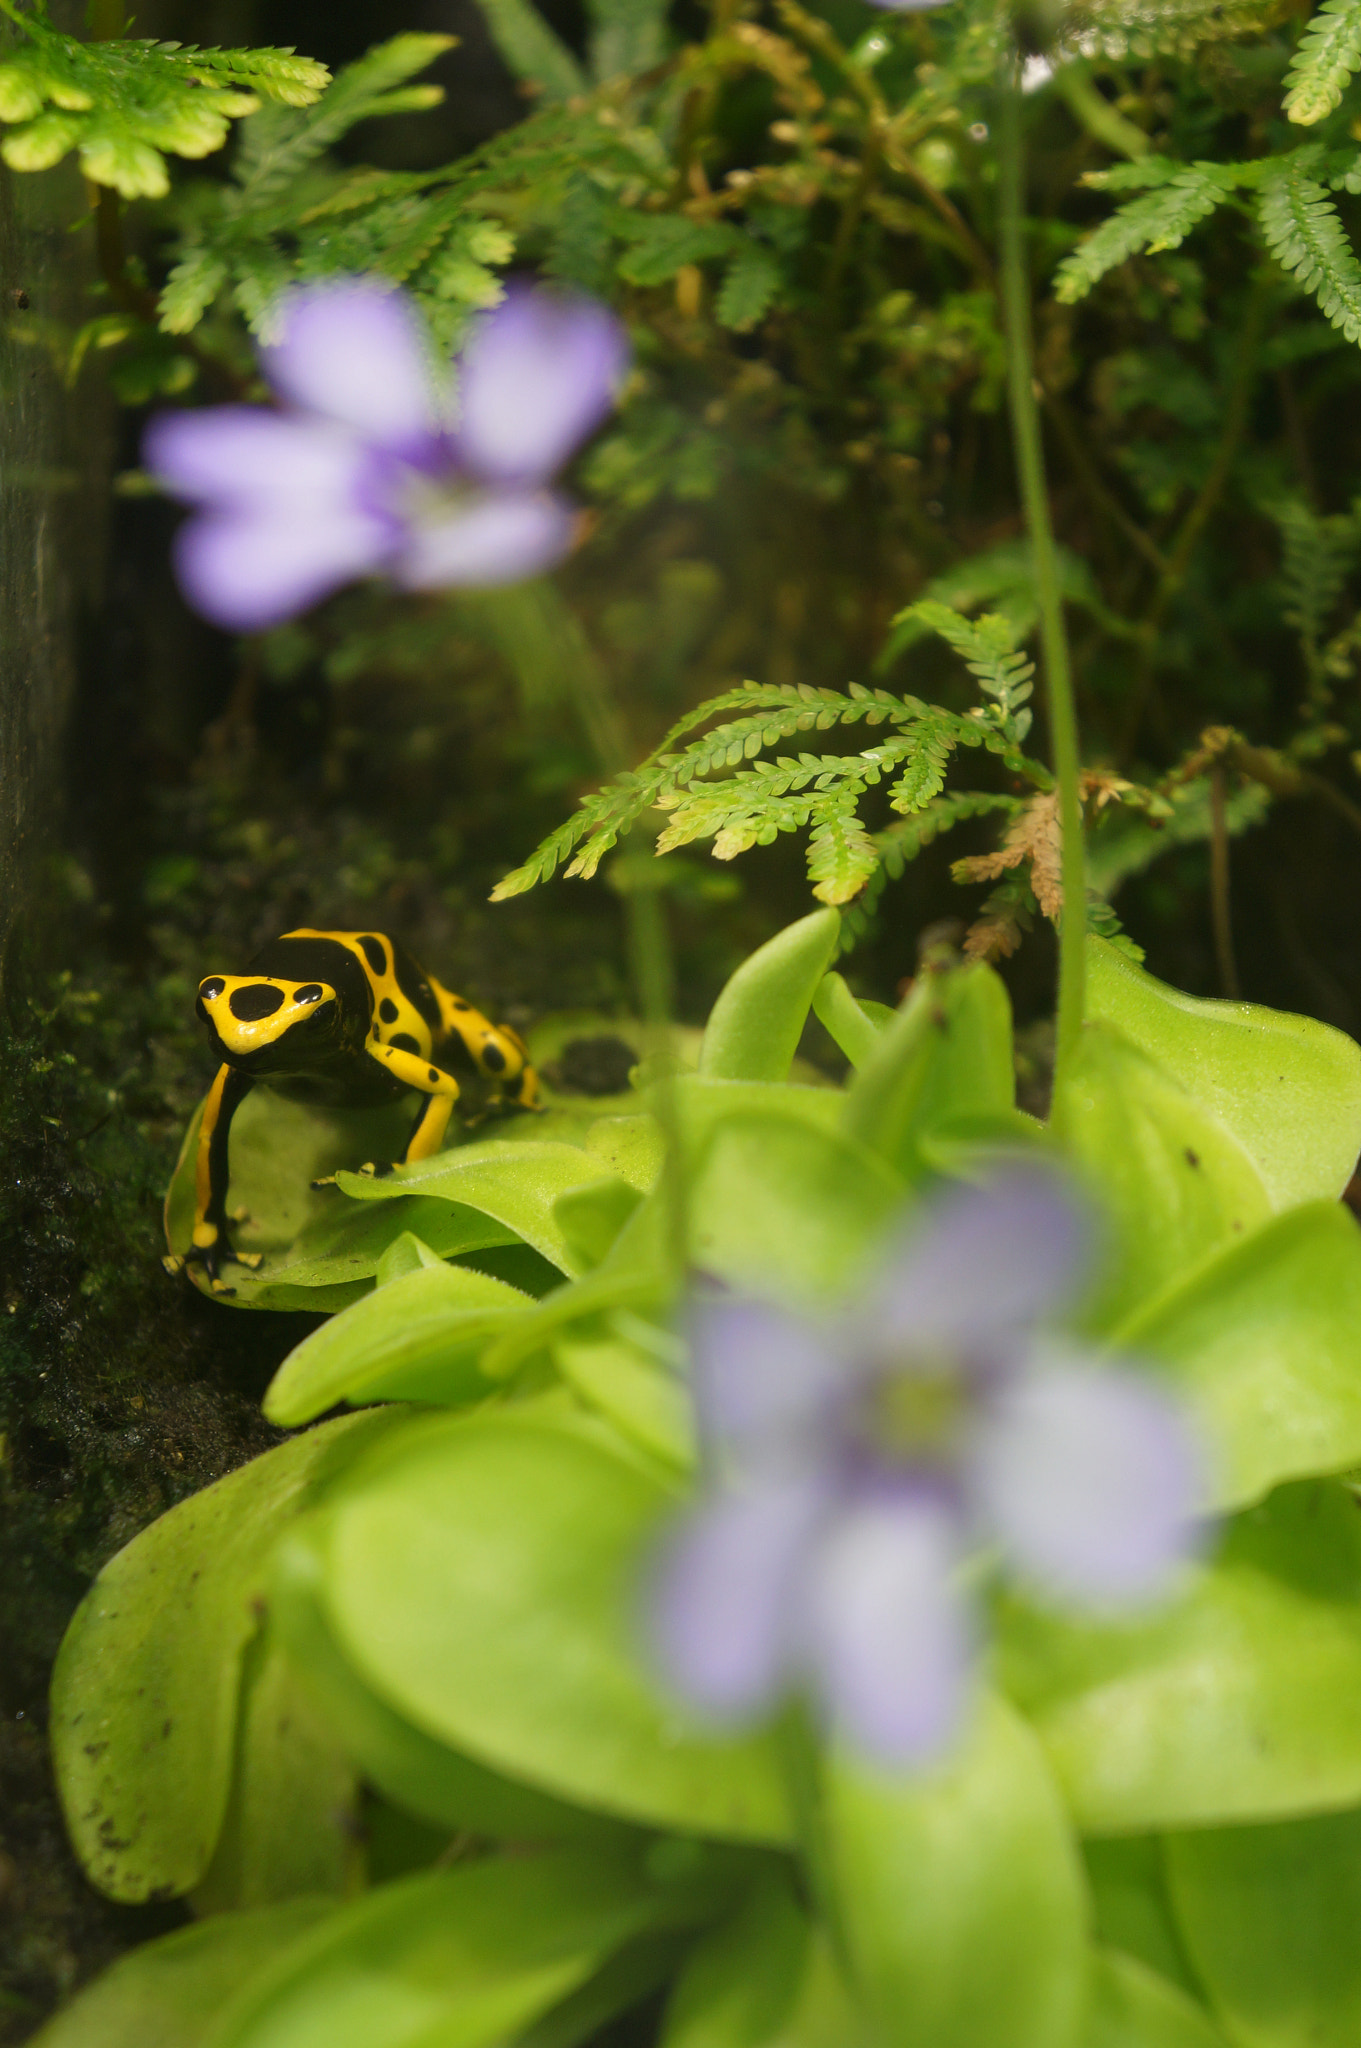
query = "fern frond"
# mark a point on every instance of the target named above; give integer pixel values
(1321, 69)
(1317, 554)
(1159, 28)
(841, 855)
(902, 841)
(125, 105)
(277, 149)
(1160, 219)
(1304, 232)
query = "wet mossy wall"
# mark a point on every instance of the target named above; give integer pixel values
(54, 462)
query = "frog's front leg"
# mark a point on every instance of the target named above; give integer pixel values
(210, 1245)
(441, 1092)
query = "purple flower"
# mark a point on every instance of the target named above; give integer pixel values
(365, 468)
(858, 1465)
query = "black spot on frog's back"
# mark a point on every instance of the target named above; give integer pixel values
(388, 1011)
(414, 983)
(375, 952)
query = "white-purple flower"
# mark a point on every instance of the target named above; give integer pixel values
(367, 468)
(860, 1465)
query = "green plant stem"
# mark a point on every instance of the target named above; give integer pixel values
(1219, 884)
(1094, 112)
(1029, 451)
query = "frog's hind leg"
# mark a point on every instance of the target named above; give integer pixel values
(497, 1051)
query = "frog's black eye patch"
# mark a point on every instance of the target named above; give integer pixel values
(313, 993)
(256, 1000)
(212, 987)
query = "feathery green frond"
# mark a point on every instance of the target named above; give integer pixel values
(841, 855)
(1159, 28)
(532, 49)
(124, 106)
(1321, 69)
(277, 148)
(1159, 219)
(749, 284)
(1305, 234)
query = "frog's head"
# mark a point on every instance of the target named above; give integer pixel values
(264, 1026)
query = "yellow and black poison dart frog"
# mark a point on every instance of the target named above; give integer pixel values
(344, 1019)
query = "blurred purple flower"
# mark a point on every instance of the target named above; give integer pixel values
(364, 468)
(856, 1465)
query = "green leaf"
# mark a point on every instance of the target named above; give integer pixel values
(1326, 57)
(961, 1892)
(171, 1992)
(663, 243)
(591, 1217)
(146, 1688)
(1131, 1908)
(946, 1054)
(750, 283)
(1233, 1703)
(1161, 219)
(634, 1392)
(754, 1028)
(532, 49)
(464, 1958)
(485, 1583)
(292, 1824)
(1174, 1185)
(124, 103)
(417, 1339)
(516, 1184)
(1262, 1344)
(1288, 1088)
(627, 36)
(1304, 232)
(854, 1028)
(779, 1208)
(741, 1982)
(1269, 1915)
(417, 1773)
(1133, 2007)
(277, 145)
(194, 282)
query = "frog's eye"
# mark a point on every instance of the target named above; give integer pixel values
(211, 988)
(313, 993)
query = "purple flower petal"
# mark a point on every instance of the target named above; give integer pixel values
(248, 455)
(887, 1632)
(723, 1598)
(249, 570)
(980, 1267)
(1091, 1480)
(356, 354)
(537, 376)
(498, 538)
(757, 1371)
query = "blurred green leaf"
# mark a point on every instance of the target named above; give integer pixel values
(1269, 1915)
(754, 1027)
(741, 1981)
(1263, 1343)
(488, 1583)
(1232, 1703)
(1173, 1183)
(415, 1771)
(961, 1892)
(417, 1339)
(145, 1694)
(1133, 2007)
(1287, 1088)
(947, 1053)
(171, 1992)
